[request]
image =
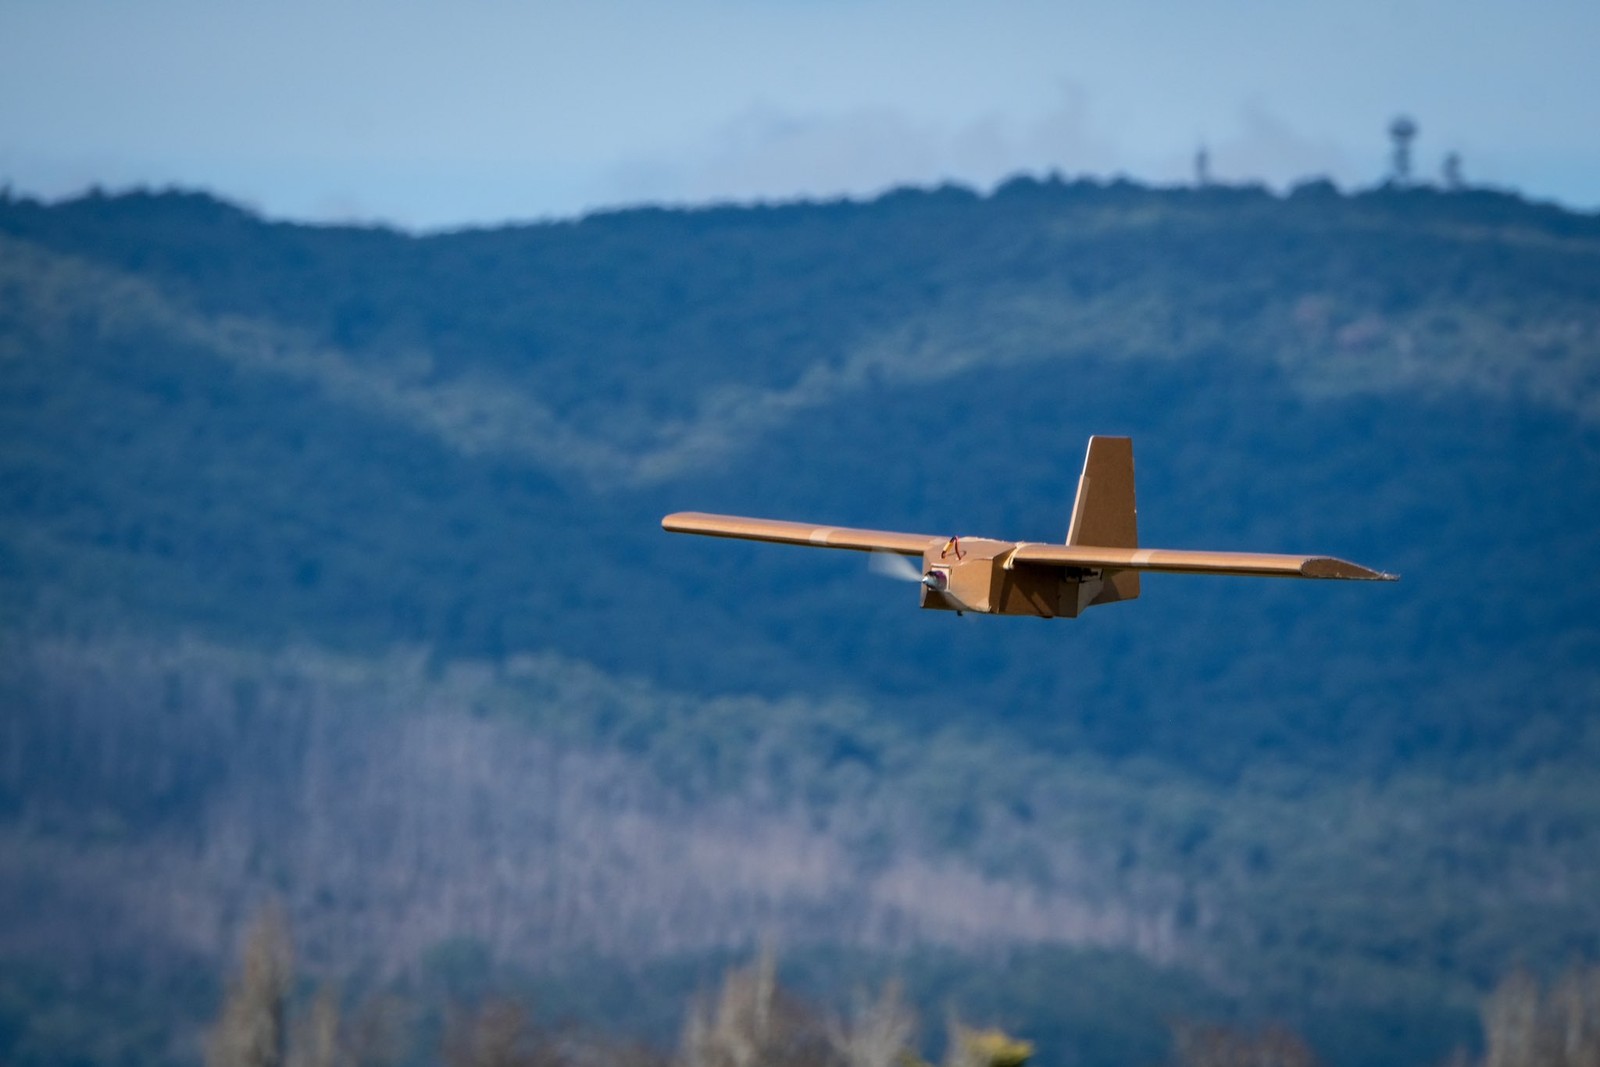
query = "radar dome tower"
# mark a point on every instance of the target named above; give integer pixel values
(1401, 131)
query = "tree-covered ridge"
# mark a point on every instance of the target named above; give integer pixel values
(193, 436)
(623, 326)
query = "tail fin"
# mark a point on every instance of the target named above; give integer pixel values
(1104, 514)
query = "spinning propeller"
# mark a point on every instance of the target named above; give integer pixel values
(900, 568)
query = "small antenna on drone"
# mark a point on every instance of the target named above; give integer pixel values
(1401, 131)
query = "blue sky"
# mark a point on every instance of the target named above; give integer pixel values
(432, 115)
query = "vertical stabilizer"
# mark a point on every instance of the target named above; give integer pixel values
(1104, 514)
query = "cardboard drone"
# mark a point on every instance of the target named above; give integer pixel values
(1100, 562)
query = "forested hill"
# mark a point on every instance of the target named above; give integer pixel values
(243, 460)
(466, 440)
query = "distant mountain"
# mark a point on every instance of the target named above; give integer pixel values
(330, 567)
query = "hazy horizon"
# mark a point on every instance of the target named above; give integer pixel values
(415, 115)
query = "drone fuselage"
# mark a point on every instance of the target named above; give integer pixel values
(977, 575)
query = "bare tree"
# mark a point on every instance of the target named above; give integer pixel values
(879, 1034)
(757, 1024)
(1511, 1025)
(1524, 1026)
(316, 1041)
(252, 1029)
(1575, 1003)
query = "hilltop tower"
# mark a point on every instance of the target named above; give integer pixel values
(1401, 131)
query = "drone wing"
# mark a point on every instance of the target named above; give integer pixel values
(797, 533)
(1183, 562)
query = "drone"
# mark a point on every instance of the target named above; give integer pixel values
(1100, 562)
